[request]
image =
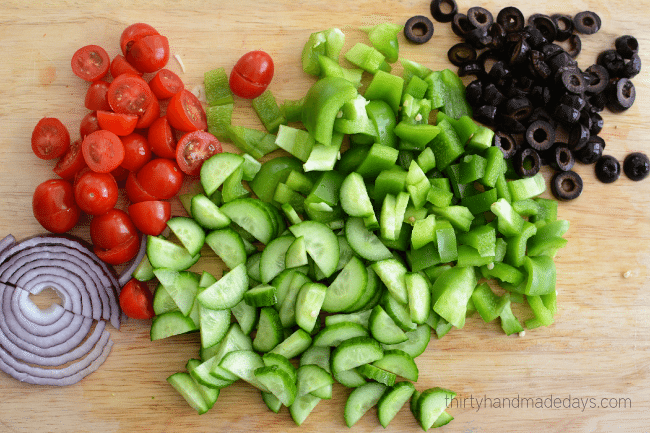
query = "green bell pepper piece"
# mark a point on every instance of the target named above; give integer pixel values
(331, 68)
(451, 292)
(273, 171)
(353, 119)
(386, 87)
(510, 223)
(217, 87)
(527, 187)
(488, 304)
(423, 258)
(325, 43)
(527, 207)
(383, 118)
(411, 69)
(516, 245)
(543, 316)
(379, 158)
(367, 58)
(219, 118)
(417, 135)
(509, 323)
(415, 110)
(436, 89)
(292, 109)
(295, 141)
(426, 160)
(268, 111)
(423, 232)
(481, 202)
(471, 168)
(482, 238)
(446, 145)
(383, 38)
(481, 139)
(322, 104)
(416, 87)
(446, 240)
(469, 256)
(494, 165)
(547, 210)
(541, 275)
(504, 273)
(455, 104)
(324, 157)
(391, 181)
(459, 216)
(250, 140)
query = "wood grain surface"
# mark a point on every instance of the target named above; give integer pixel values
(597, 352)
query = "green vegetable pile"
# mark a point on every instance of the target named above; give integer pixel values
(378, 227)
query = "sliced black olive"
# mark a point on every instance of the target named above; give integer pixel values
(471, 68)
(566, 114)
(538, 66)
(632, 67)
(597, 123)
(626, 46)
(474, 92)
(575, 46)
(499, 72)
(579, 135)
(564, 26)
(478, 38)
(527, 162)
(518, 52)
(536, 38)
(608, 169)
(519, 108)
(480, 17)
(540, 135)
(544, 24)
(586, 22)
(492, 95)
(598, 101)
(592, 151)
(550, 50)
(540, 113)
(443, 11)
(497, 35)
(461, 25)
(566, 185)
(636, 166)
(599, 79)
(540, 95)
(612, 61)
(485, 114)
(561, 157)
(418, 29)
(573, 81)
(620, 95)
(561, 60)
(461, 53)
(511, 19)
(573, 100)
(506, 143)
(509, 124)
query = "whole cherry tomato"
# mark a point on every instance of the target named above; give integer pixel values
(112, 229)
(161, 177)
(150, 217)
(149, 53)
(54, 206)
(50, 138)
(252, 74)
(136, 300)
(136, 151)
(193, 149)
(95, 193)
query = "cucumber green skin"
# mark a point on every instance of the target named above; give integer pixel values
(361, 400)
(347, 288)
(321, 244)
(343, 356)
(169, 324)
(393, 400)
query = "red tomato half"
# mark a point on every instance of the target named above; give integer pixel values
(95, 193)
(103, 151)
(72, 162)
(150, 217)
(136, 300)
(121, 253)
(134, 190)
(193, 149)
(120, 66)
(129, 94)
(186, 113)
(161, 177)
(133, 33)
(161, 138)
(150, 115)
(136, 152)
(118, 123)
(90, 63)
(96, 96)
(54, 206)
(252, 74)
(149, 53)
(50, 138)
(112, 229)
(89, 124)
(165, 84)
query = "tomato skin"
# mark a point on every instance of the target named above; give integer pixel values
(54, 207)
(166, 84)
(136, 151)
(129, 94)
(150, 115)
(161, 177)
(149, 53)
(120, 66)
(89, 124)
(252, 74)
(185, 112)
(112, 229)
(118, 123)
(120, 174)
(150, 217)
(71, 163)
(50, 138)
(95, 193)
(134, 190)
(136, 300)
(161, 138)
(193, 149)
(103, 151)
(90, 63)
(96, 98)
(134, 32)
(121, 253)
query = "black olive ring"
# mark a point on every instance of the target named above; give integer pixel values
(418, 29)
(511, 19)
(564, 26)
(586, 22)
(566, 185)
(527, 162)
(461, 53)
(439, 15)
(636, 166)
(608, 169)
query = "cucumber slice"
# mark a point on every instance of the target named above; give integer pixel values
(311, 378)
(227, 292)
(321, 244)
(361, 400)
(213, 325)
(278, 383)
(373, 290)
(182, 287)
(243, 363)
(144, 270)
(274, 359)
(419, 294)
(383, 328)
(253, 217)
(355, 352)
(302, 407)
(246, 315)
(296, 254)
(354, 196)
(333, 335)
(431, 406)
(417, 342)
(228, 245)
(308, 304)
(207, 213)
(273, 258)
(364, 242)
(400, 363)
(269, 330)
(188, 388)
(201, 373)
(288, 307)
(162, 302)
(169, 324)
(371, 372)
(163, 253)
(349, 378)
(361, 318)
(217, 168)
(293, 345)
(319, 356)
(262, 295)
(189, 232)
(347, 288)
(209, 393)
(392, 272)
(392, 401)
(398, 312)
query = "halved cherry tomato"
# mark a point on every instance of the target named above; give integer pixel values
(50, 138)
(134, 190)
(95, 193)
(103, 151)
(89, 124)
(112, 229)
(121, 253)
(129, 94)
(186, 113)
(136, 300)
(150, 217)
(72, 162)
(54, 207)
(134, 32)
(165, 84)
(120, 66)
(136, 151)
(118, 123)
(90, 63)
(252, 74)
(149, 53)
(96, 96)
(161, 177)
(150, 114)
(120, 174)
(194, 148)
(161, 138)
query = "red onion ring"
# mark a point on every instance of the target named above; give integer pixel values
(63, 343)
(127, 272)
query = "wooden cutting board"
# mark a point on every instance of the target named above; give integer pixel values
(559, 378)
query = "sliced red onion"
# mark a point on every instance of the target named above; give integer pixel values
(127, 272)
(24, 311)
(6, 242)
